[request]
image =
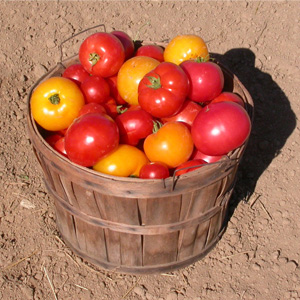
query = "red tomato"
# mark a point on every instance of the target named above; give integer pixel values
(92, 108)
(220, 128)
(134, 125)
(111, 107)
(206, 80)
(126, 41)
(154, 170)
(228, 96)
(186, 114)
(208, 158)
(102, 54)
(172, 144)
(53, 138)
(163, 90)
(76, 72)
(153, 51)
(189, 166)
(90, 137)
(59, 146)
(95, 90)
(112, 82)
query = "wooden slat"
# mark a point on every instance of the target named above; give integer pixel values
(161, 248)
(195, 236)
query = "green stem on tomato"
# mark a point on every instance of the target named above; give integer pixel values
(154, 82)
(54, 99)
(94, 58)
(156, 126)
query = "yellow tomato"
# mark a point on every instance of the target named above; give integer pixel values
(185, 47)
(130, 75)
(172, 144)
(125, 161)
(55, 103)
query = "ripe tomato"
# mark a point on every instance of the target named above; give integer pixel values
(163, 90)
(126, 41)
(154, 170)
(208, 158)
(95, 90)
(52, 138)
(172, 144)
(189, 166)
(125, 161)
(186, 114)
(228, 96)
(112, 82)
(206, 80)
(91, 108)
(90, 137)
(76, 72)
(154, 51)
(185, 47)
(130, 75)
(56, 102)
(59, 146)
(134, 125)
(220, 128)
(102, 54)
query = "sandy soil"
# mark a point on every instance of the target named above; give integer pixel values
(258, 256)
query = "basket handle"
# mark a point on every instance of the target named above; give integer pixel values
(73, 36)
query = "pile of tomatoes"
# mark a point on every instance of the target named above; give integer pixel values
(146, 111)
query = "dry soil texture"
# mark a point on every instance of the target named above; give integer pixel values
(258, 256)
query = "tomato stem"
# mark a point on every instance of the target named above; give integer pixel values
(54, 99)
(155, 82)
(156, 126)
(94, 58)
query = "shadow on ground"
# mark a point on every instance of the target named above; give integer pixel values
(274, 120)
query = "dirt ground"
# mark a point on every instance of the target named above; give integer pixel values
(258, 256)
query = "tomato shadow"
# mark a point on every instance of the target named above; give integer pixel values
(274, 121)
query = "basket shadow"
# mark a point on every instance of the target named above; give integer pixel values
(274, 121)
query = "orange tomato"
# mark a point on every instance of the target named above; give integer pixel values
(186, 47)
(172, 144)
(125, 161)
(130, 75)
(56, 102)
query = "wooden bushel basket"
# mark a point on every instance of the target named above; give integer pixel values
(138, 226)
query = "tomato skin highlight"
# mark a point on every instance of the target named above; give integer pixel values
(55, 103)
(154, 170)
(124, 161)
(163, 91)
(220, 128)
(172, 144)
(102, 54)
(91, 137)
